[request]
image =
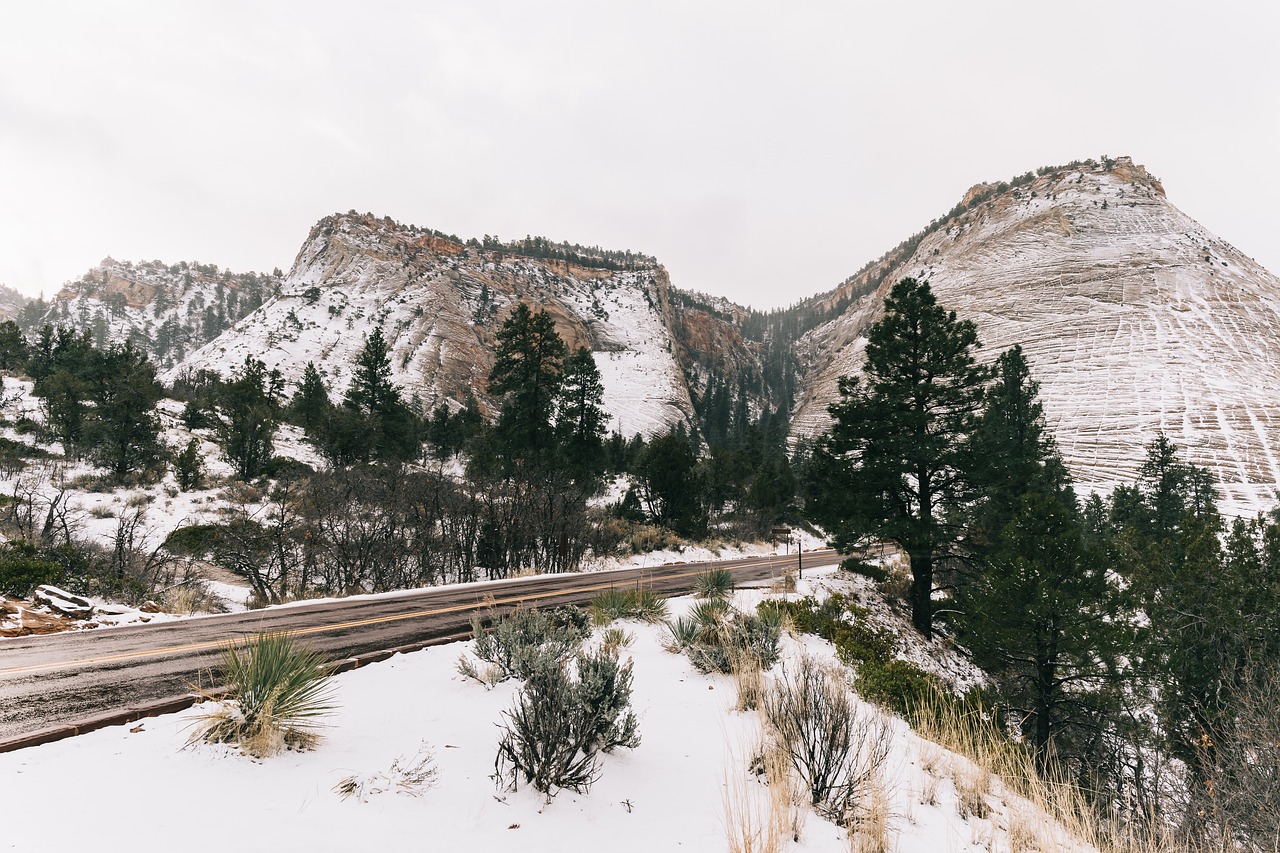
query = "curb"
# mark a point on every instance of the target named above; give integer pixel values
(173, 704)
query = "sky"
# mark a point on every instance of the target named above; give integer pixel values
(762, 151)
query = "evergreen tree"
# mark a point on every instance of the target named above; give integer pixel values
(248, 423)
(526, 375)
(1012, 450)
(580, 416)
(668, 473)
(188, 468)
(310, 405)
(390, 426)
(123, 431)
(1040, 618)
(13, 346)
(897, 460)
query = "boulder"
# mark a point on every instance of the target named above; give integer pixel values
(61, 601)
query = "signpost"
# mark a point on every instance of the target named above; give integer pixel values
(781, 533)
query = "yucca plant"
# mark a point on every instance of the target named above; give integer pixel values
(278, 693)
(713, 584)
(639, 602)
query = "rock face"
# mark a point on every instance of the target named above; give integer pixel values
(1134, 318)
(440, 303)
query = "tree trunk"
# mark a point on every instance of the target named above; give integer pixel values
(922, 593)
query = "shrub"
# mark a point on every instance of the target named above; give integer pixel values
(22, 569)
(859, 566)
(715, 583)
(638, 602)
(558, 726)
(518, 644)
(856, 641)
(717, 638)
(836, 749)
(188, 468)
(896, 684)
(278, 691)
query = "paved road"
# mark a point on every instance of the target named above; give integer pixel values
(64, 679)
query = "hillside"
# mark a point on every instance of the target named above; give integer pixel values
(1134, 318)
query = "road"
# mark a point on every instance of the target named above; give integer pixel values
(66, 679)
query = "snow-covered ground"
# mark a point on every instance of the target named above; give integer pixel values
(137, 787)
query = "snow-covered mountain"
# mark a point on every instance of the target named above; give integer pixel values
(168, 310)
(1134, 318)
(440, 303)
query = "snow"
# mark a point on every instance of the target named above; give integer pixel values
(130, 785)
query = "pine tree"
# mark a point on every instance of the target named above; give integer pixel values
(1040, 617)
(896, 460)
(123, 430)
(526, 375)
(310, 404)
(390, 426)
(580, 416)
(248, 423)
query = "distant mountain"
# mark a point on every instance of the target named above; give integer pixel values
(1134, 318)
(11, 303)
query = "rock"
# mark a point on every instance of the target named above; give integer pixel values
(61, 601)
(151, 607)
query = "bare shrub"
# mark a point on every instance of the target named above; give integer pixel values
(836, 747)
(870, 830)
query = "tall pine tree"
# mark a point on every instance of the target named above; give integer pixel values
(896, 461)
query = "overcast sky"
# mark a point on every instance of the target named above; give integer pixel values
(761, 151)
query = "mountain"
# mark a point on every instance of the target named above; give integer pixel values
(11, 303)
(441, 301)
(1135, 319)
(168, 310)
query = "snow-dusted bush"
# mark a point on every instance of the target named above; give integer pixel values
(524, 641)
(560, 723)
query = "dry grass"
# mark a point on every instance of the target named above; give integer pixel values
(410, 776)
(870, 830)
(754, 823)
(973, 786)
(1051, 810)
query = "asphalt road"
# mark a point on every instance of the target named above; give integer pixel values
(65, 679)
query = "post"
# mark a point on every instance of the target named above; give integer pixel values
(799, 559)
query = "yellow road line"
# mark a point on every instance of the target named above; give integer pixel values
(361, 623)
